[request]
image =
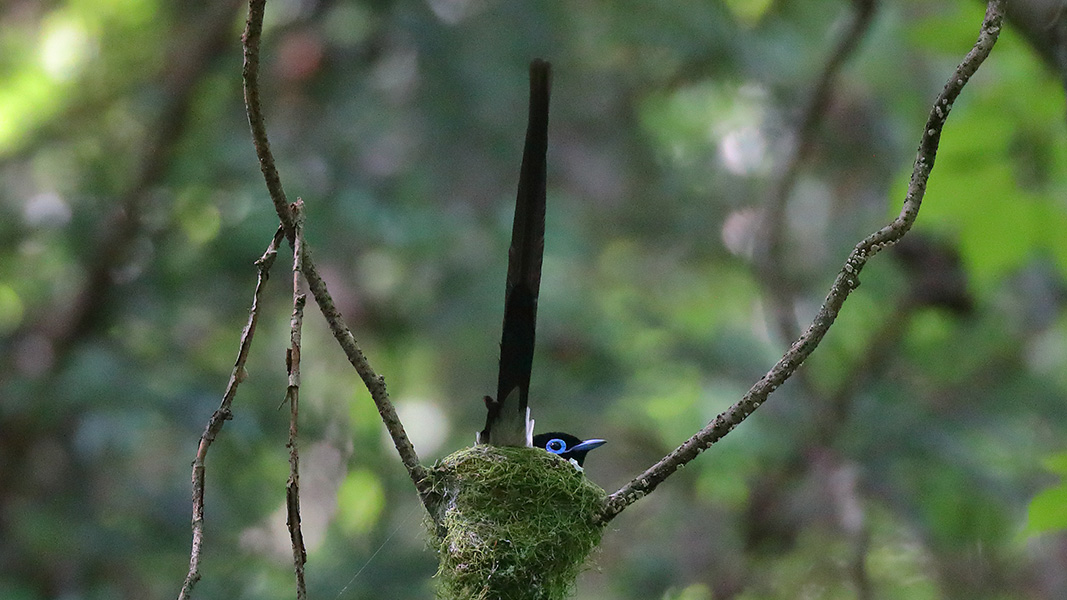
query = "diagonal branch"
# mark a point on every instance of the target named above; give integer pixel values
(375, 383)
(224, 414)
(846, 281)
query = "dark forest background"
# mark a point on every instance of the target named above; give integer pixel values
(902, 462)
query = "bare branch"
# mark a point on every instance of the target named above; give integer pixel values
(250, 75)
(846, 281)
(375, 383)
(224, 414)
(770, 250)
(292, 394)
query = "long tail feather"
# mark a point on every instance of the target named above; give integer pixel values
(507, 421)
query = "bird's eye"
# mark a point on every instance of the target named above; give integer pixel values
(556, 446)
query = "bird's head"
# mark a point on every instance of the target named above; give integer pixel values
(566, 445)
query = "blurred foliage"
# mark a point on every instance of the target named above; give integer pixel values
(1046, 510)
(901, 463)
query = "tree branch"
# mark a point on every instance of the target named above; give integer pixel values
(846, 281)
(375, 383)
(292, 395)
(224, 414)
(250, 76)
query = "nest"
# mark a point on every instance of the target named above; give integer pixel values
(512, 524)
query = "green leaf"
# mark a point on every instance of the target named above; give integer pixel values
(1047, 511)
(1057, 463)
(359, 502)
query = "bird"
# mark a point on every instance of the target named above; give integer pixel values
(567, 446)
(508, 422)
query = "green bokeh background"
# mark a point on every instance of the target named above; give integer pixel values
(400, 125)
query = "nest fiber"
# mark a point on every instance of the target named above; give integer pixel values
(512, 524)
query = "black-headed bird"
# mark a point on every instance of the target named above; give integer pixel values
(508, 422)
(566, 445)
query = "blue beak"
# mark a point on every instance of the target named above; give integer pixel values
(587, 445)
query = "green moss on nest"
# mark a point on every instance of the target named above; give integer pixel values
(513, 524)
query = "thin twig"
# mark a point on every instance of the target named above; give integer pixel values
(770, 249)
(846, 281)
(375, 383)
(292, 395)
(224, 414)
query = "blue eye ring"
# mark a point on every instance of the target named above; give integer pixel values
(556, 446)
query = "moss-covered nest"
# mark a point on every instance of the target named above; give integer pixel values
(512, 524)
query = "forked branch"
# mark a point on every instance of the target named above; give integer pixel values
(375, 383)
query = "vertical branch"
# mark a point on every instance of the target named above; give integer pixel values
(223, 414)
(846, 281)
(292, 395)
